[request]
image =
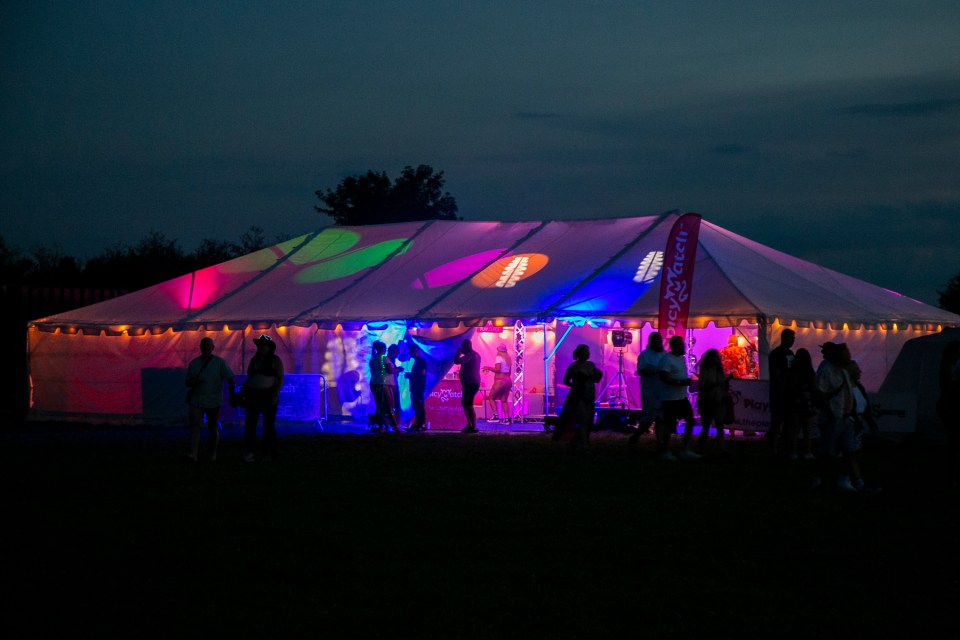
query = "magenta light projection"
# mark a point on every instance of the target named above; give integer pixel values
(455, 270)
(195, 290)
(330, 255)
(206, 287)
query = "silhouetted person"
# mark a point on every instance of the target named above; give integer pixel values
(780, 360)
(713, 386)
(382, 395)
(648, 368)
(837, 418)
(863, 422)
(674, 404)
(469, 361)
(391, 384)
(264, 381)
(502, 371)
(205, 377)
(417, 376)
(800, 404)
(948, 403)
(582, 377)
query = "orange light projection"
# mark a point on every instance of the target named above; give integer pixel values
(507, 272)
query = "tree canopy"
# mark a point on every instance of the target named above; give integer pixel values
(950, 296)
(416, 194)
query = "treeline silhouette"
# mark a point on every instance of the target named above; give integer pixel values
(155, 258)
(44, 281)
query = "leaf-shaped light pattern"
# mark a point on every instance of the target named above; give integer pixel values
(649, 267)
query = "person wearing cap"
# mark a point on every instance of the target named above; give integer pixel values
(502, 383)
(264, 381)
(205, 377)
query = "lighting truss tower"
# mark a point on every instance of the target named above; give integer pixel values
(519, 347)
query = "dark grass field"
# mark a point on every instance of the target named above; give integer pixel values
(114, 533)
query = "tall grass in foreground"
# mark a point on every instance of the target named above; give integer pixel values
(443, 535)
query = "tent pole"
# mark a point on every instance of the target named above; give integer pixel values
(763, 347)
(519, 364)
(546, 362)
(546, 379)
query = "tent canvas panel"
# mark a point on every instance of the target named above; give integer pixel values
(916, 371)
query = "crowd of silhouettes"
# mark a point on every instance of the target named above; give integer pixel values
(830, 398)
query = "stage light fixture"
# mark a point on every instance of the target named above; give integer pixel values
(620, 338)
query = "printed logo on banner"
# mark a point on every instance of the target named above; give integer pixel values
(894, 412)
(443, 407)
(301, 399)
(445, 395)
(676, 283)
(751, 404)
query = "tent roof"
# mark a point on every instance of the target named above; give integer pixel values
(472, 272)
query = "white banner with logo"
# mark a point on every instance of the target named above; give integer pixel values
(751, 405)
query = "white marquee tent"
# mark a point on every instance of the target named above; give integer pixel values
(320, 295)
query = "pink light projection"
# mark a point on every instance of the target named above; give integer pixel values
(206, 285)
(455, 270)
(506, 272)
(178, 290)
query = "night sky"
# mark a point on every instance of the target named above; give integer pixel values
(828, 130)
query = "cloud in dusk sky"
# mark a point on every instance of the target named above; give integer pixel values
(828, 130)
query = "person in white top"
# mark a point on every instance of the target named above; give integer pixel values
(674, 404)
(837, 418)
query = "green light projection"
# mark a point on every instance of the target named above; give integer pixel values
(350, 262)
